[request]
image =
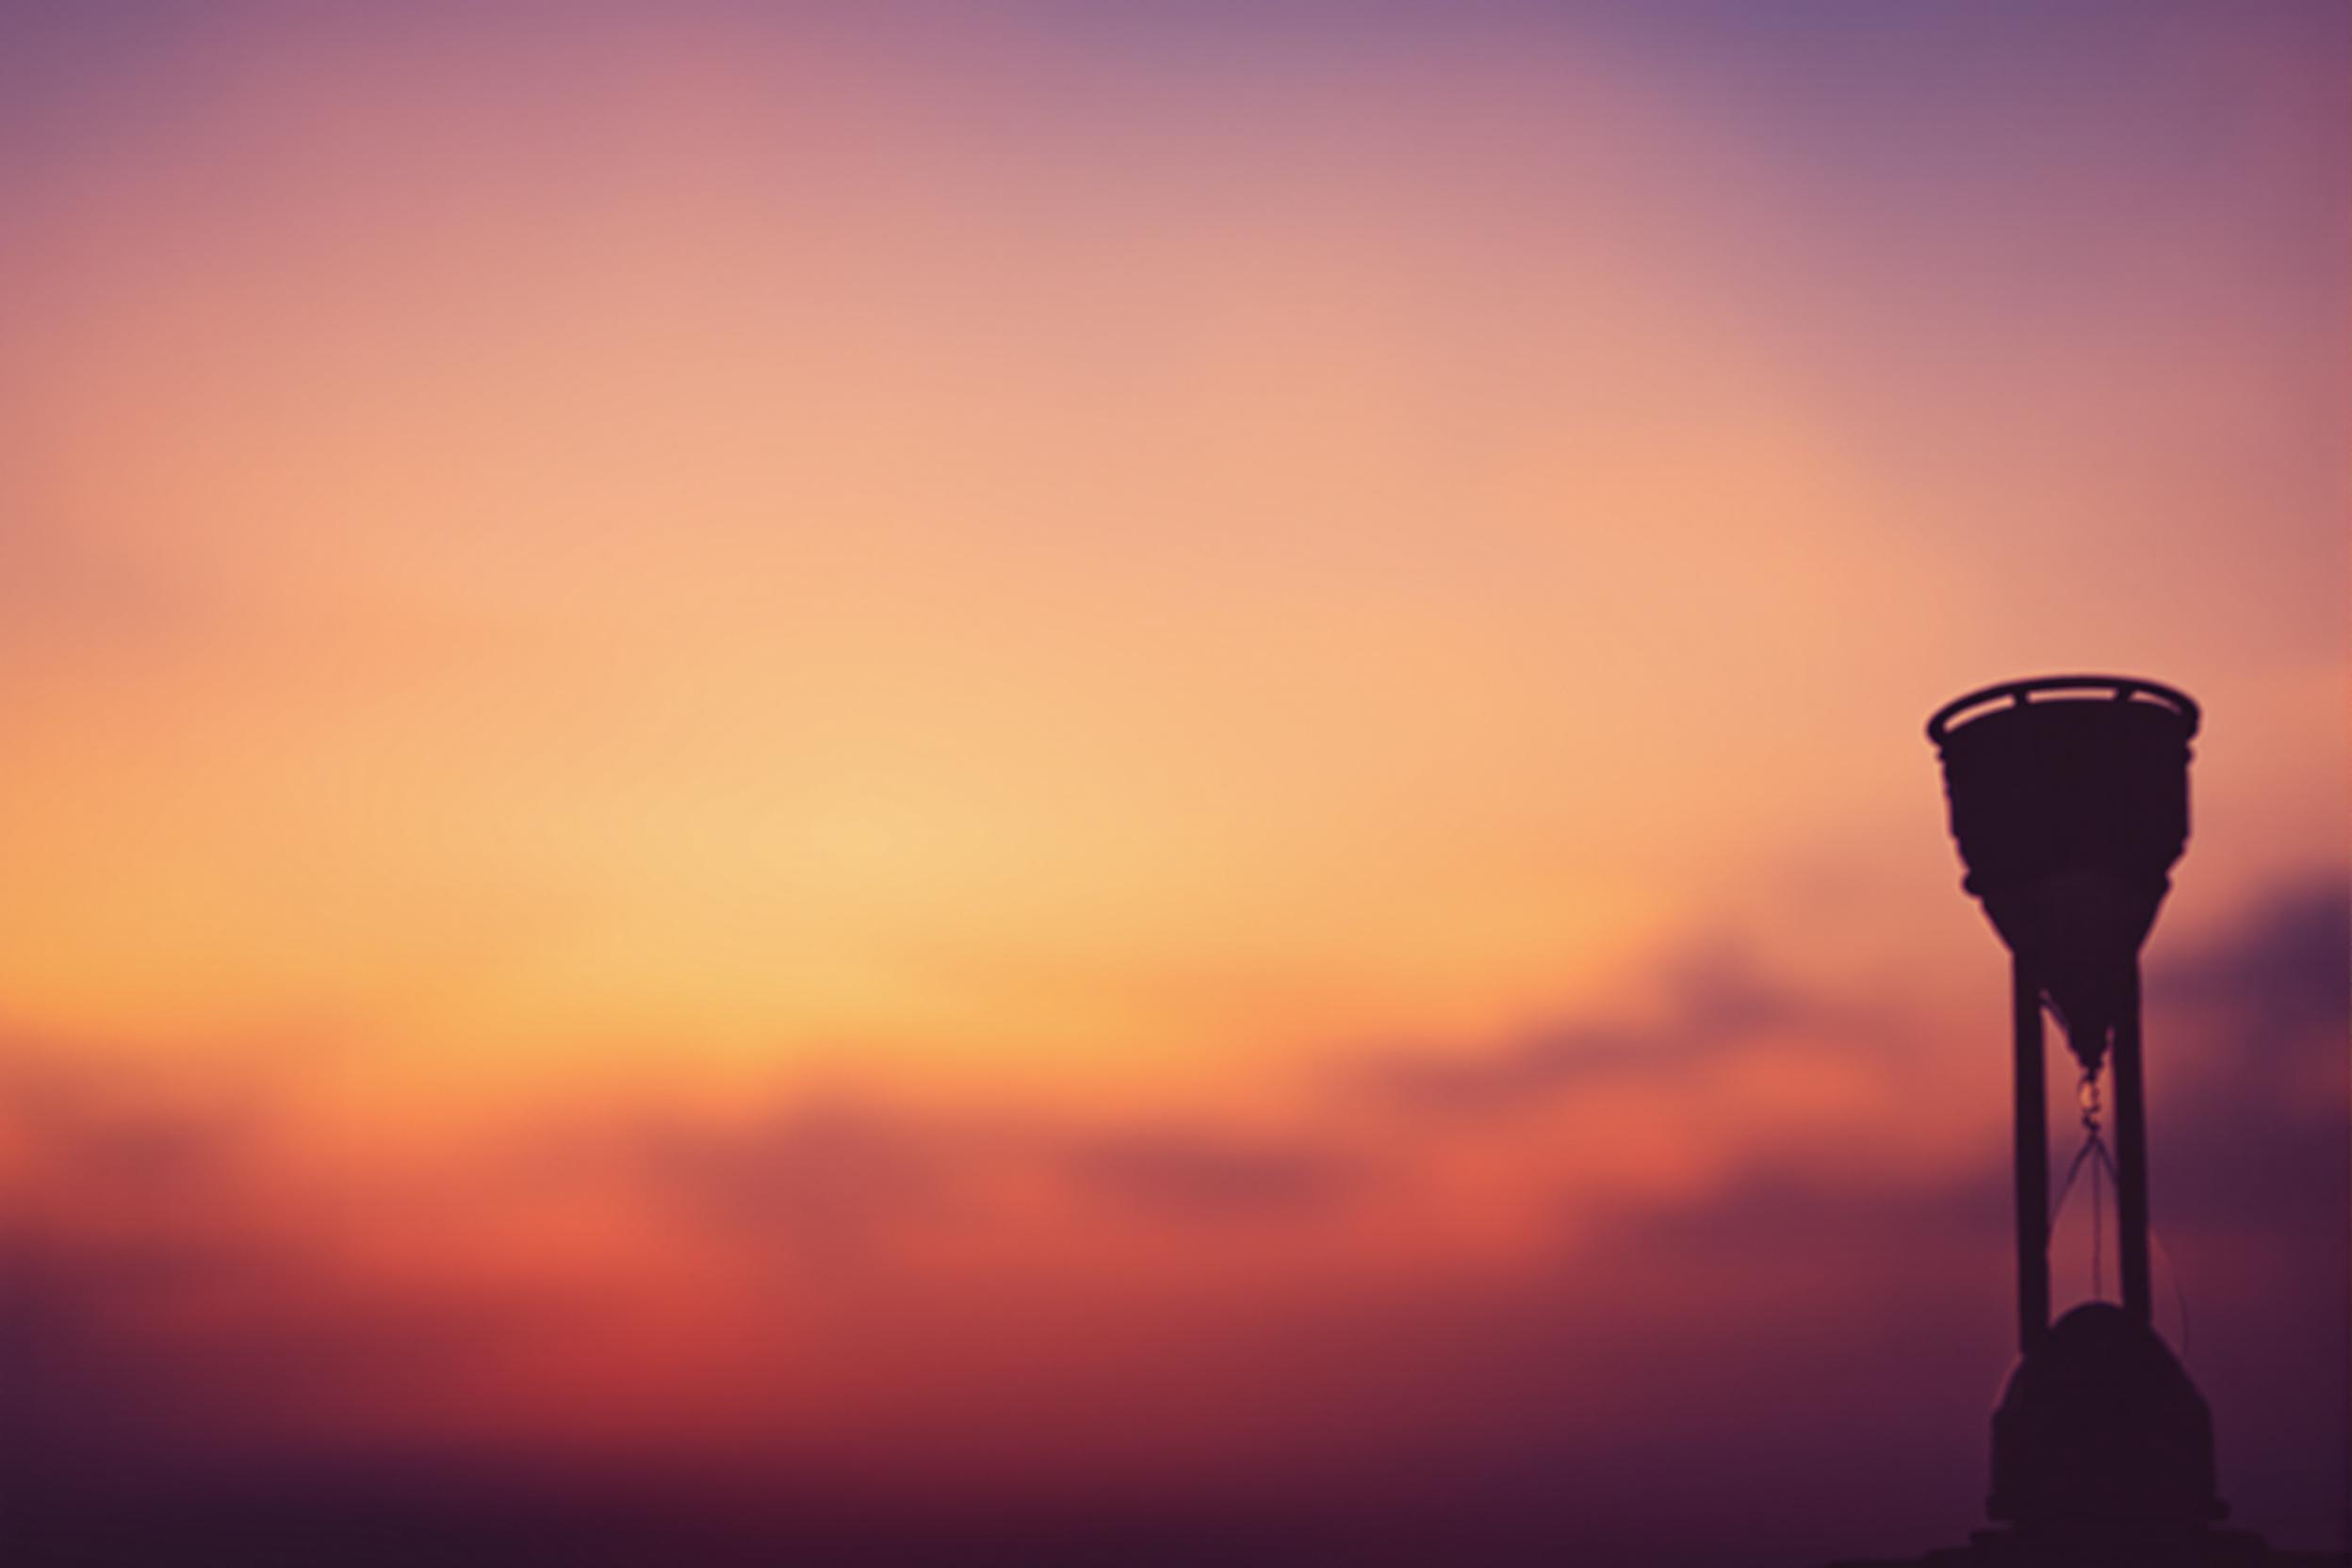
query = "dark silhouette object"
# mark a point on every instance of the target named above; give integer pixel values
(2100, 1427)
(2069, 798)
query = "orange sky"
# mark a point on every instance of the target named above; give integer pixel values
(807, 720)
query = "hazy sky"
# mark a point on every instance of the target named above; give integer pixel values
(1141, 764)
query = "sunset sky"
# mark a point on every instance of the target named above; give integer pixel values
(1150, 769)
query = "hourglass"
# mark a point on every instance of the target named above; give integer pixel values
(2069, 799)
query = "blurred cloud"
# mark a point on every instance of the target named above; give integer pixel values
(824, 1177)
(2284, 973)
(1204, 1174)
(1718, 1000)
(2251, 1078)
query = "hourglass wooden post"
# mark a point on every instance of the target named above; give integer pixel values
(2033, 1156)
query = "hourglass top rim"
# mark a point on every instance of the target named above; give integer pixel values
(2070, 688)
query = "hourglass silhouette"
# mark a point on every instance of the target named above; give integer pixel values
(2069, 799)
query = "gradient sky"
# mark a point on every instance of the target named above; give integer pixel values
(1140, 764)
